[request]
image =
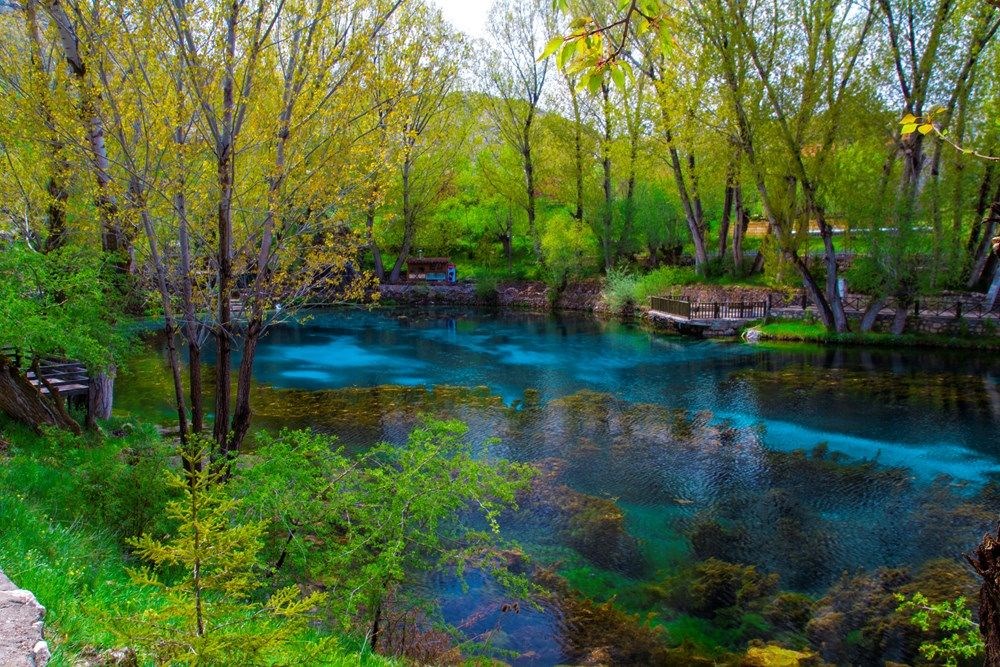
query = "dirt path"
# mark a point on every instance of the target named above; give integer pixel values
(21, 643)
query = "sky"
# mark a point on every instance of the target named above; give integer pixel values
(469, 16)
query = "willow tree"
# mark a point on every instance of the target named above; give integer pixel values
(515, 80)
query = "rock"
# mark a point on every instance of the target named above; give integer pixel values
(22, 643)
(115, 657)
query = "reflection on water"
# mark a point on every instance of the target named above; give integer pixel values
(659, 455)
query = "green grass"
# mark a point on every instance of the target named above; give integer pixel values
(76, 571)
(814, 332)
(64, 502)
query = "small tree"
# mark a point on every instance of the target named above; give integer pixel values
(365, 525)
(210, 614)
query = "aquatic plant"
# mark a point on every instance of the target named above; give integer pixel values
(857, 621)
(711, 586)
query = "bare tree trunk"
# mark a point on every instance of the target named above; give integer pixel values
(56, 186)
(982, 201)
(899, 319)
(988, 226)
(993, 294)
(101, 396)
(871, 314)
(606, 216)
(529, 180)
(169, 321)
(225, 165)
(577, 149)
(727, 211)
(243, 413)
(740, 230)
(372, 244)
(409, 222)
(985, 560)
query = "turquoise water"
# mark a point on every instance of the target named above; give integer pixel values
(558, 356)
(901, 448)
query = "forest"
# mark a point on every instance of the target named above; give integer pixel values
(182, 183)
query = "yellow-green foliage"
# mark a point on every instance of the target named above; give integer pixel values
(569, 247)
(776, 656)
(208, 577)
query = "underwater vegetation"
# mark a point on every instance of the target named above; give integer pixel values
(670, 536)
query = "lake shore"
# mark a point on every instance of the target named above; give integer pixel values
(587, 296)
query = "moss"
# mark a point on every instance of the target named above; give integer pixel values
(789, 611)
(856, 622)
(776, 656)
(600, 633)
(713, 585)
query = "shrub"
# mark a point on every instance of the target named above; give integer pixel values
(486, 287)
(620, 289)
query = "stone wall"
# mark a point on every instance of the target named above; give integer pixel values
(22, 642)
(586, 296)
(531, 295)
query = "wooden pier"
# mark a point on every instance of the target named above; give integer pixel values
(708, 319)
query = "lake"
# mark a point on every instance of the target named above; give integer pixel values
(665, 461)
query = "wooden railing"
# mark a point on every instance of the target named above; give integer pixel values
(707, 310)
(67, 377)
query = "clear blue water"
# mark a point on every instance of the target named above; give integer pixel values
(671, 431)
(558, 356)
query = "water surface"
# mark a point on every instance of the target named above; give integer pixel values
(813, 461)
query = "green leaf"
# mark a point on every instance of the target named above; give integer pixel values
(618, 76)
(594, 84)
(909, 128)
(551, 47)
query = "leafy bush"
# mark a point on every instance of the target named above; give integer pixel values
(361, 525)
(663, 281)
(619, 289)
(486, 287)
(210, 614)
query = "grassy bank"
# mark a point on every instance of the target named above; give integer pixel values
(67, 506)
(814, 332)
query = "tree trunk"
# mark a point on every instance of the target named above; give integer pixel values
(101, 397)
(740, 230)
(899, 319)
(56, 186)
(982, 201)
(606, 216)
(529, 180)
(22, 401)
(243, 413)
(372, 245)
(871, 314)
(225, 165)
(993, 295)
(409, 222)
(727, 210)
(985, 560)
(988, 225)
(578, 149)
(694, 223)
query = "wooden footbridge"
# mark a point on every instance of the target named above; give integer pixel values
(707, 318)
(68, 378)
